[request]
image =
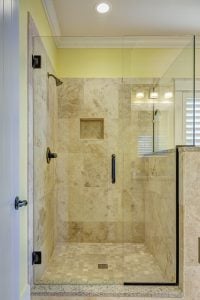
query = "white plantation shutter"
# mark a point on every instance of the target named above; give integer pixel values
(189, 121)
(145, 144)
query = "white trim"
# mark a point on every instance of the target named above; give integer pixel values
(186, 85)
(110, 42)
(52, 17)
(123, 42)
(10, 150)
(26, 295)
(183, 88)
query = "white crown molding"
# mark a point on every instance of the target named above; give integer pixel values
(110, 42)
(52, 17)
(123, 42)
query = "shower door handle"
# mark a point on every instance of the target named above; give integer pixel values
(113, 169)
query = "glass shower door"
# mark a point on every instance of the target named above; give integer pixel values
(105, 210)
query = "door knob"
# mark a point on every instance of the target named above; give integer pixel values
(20, 203)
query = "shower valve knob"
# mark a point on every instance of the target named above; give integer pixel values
(53, 155)
(50, 155)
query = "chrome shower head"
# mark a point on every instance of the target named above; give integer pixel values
(58, 81)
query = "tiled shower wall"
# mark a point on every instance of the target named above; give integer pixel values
(45, 107)
(96, 120)
(160, 210)
(190, 228)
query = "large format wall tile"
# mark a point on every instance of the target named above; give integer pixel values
(94, 170)
(70, 97)
(160, 211)
(96, 209)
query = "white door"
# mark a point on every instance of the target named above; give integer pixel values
(9, 150)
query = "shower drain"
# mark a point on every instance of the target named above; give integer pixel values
(102, 266)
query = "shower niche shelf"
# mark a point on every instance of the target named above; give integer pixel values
(92, 128)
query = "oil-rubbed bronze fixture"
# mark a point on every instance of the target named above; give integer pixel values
(113, 162)
(50, 155)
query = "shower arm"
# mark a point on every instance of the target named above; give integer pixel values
(58, 81)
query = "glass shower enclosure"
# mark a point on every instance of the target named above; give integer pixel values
(106, 207)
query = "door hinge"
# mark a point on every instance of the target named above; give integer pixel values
(36, 61)
(37, 258)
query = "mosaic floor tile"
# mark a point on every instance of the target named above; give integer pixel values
(77, 263)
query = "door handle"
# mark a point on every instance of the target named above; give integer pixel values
(20, 203)
(113, 168)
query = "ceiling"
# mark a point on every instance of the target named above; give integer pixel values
(128, 17)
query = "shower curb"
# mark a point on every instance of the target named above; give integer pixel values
(106, 290)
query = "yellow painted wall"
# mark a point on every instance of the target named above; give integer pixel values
(36, 9)
(139, 63)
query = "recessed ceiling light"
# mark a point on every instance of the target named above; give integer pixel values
(103, 8)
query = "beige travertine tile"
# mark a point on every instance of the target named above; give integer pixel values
(160, 212)
(92, 129)
(68, 135)
(85, 163)
(70, 97)
(94, 170)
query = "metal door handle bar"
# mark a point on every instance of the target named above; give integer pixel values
(113, 169)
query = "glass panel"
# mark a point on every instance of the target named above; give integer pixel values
(78, 220)
(44, 112)
(99, 218)
(179, 81)
(149, 179)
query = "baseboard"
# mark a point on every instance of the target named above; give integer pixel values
(26, 294)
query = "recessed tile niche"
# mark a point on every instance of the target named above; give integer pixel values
(92, 129)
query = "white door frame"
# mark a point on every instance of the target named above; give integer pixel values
(9, 149)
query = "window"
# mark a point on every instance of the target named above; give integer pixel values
(145, 145)
(189, 121)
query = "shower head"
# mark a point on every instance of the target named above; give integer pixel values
(58, 81)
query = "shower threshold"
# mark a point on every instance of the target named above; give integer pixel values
(106, 291)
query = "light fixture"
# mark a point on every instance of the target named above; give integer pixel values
(103, 7)
(139, 95)
(153, 94)
(168, 95)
